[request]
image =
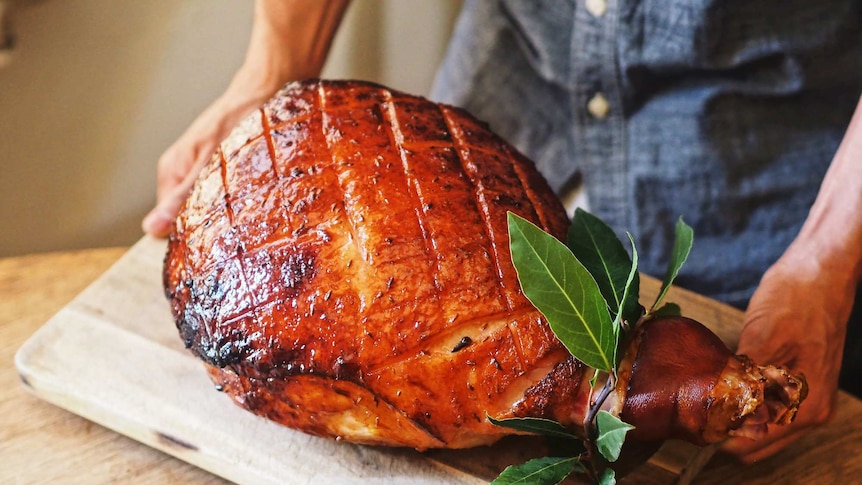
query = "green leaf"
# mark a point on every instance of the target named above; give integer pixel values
(667, 310)
(538, 471)
(612, 434)
(627, 296)
(546, 427)
(681, 247)
(631, 309)
(595, 378)
(608, 477)
(564, 291)
(597, 247)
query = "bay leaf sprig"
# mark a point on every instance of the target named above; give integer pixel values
(596, 245)
(588, 291)
(565, 292)
(548, 469)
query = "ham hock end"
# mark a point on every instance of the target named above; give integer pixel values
(342, 267)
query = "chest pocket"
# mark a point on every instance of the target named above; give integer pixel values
(543, 29)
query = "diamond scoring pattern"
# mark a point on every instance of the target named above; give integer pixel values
(355, 232)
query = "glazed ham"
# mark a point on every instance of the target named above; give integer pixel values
(342, 267)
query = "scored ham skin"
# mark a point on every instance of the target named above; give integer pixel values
(342, 267)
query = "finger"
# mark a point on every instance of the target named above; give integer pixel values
(180, 162)
(171, 196)
(159, 222)
(749, 451)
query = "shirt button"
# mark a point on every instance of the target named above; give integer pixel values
(598, 106)
(596, 7)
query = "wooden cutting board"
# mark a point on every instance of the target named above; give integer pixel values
(113, 356)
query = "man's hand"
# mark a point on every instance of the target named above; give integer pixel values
(180, 164)
(289, 40)
(797, 319)
(798, 315)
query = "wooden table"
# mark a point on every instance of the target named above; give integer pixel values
(41, 443)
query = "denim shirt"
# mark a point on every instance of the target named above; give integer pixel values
(724, 112)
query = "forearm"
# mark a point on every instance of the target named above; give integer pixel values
(290, 40)
(832, 234)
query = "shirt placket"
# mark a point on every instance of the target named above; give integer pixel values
(597, 103)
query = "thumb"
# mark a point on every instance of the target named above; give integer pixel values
(160, 220)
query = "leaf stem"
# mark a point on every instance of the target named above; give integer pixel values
(596, 406)
(595, 458)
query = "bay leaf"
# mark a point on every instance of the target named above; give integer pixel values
(609, 477)
(560, 287)
(599, 249)
(667, 310)
(683, 240)
(538, 471)
(611, 435)
(546, 427)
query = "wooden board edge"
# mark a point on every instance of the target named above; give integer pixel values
(51, 385)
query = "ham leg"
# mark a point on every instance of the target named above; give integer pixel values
(342, 267)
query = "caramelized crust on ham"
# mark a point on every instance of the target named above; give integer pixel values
(342, 267)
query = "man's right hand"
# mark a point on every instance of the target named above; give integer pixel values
(180, 164)
(290, 40)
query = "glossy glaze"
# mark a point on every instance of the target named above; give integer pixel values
(342, 266)
(686, 384)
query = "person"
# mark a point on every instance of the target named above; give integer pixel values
(739, 116)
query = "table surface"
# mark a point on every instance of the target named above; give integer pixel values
(41, 443)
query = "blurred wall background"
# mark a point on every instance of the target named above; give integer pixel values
(96, 89)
